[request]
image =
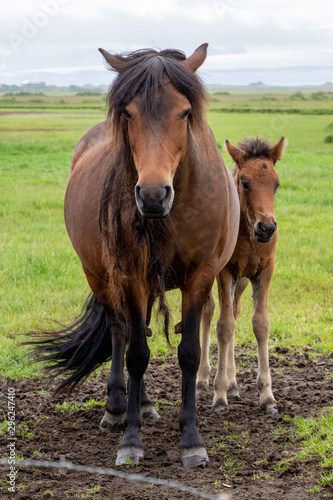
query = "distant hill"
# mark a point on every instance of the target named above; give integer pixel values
(89, 89)
(54, 89)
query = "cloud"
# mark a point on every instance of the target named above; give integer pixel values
(241, 33)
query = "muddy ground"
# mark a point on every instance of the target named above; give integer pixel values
(246, 447)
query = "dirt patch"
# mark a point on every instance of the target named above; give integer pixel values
(2, 113)
(34, 129)
(245, 446)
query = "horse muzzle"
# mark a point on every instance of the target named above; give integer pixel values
(156, 202)
(263, 232)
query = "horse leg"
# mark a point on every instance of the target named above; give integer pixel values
(225, 333)
(261, 323)
(116, 403)
(233, 388)
(192, 448)
(204, 367)
(130, 448)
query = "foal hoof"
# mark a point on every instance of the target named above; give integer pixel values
(111, 423)
(151, 411)
(271, 410)
(194, 457)
(220, 407)
(201, 388)
(233, 392)
(129, 456)
(179, 328)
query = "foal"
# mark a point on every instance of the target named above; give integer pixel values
(253, 260)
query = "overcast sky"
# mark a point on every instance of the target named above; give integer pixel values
(57, 40)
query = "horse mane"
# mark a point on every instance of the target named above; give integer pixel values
(255, 147)
(124, 231)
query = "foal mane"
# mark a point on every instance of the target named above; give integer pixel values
(142, 72)
(255, 147)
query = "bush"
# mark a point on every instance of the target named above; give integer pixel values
(297, 96)
(328, 139)
(318, 96)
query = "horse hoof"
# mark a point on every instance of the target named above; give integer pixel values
(194, 457)
(271, 410)
(151, 411)
(111, 423)
(129, 456)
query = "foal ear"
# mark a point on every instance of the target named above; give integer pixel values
(277, 150)
(115, 62)
(194, 61)
(236, 154)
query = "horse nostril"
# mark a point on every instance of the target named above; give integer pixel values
(138, 195)
(168, 194)
(154, 201)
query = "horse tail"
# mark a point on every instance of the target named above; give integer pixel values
(78, 348)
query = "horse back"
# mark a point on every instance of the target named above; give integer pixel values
(95, 135)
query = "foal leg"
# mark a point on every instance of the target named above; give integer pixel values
(204, 367)
(233, 388)
(225, 333)
(147, 407)
(261, 323)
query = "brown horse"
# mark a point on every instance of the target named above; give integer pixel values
(253, 260)
(150, 206)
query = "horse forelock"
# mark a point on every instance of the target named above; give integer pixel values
(144, 73)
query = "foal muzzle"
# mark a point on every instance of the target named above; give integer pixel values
(263, 232)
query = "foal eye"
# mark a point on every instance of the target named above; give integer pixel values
(186, 114)
(128, 115)
(246, 184)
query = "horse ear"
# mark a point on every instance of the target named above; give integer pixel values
(115, 62)
(236, 154)
(194, 61)
(277, 150)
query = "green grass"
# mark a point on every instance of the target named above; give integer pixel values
(316, 437)
(41, 276)
(76, 405)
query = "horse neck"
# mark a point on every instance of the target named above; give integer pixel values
(190, 172)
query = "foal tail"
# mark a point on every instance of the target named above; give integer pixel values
(78, 348)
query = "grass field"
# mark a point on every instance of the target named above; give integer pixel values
(41, 277)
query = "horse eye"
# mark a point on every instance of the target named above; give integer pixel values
(276, 187)
(127, 115)
(186, 114)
